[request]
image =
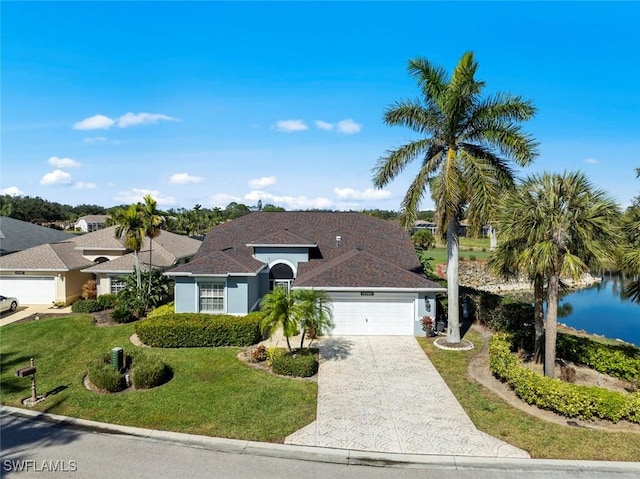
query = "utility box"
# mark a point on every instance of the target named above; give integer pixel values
(117, 359)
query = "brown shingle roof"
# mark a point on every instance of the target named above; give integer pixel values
(55, 256)
(221, 262)
(385, 244)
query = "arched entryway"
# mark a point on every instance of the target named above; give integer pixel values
(280, 276)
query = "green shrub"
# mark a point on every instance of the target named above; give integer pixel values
(122, 315)
(570, 400)
(148, 371)
(107, 301)
(473, 257)
(86, 306)
(300, 364)
(103, 376)
(162, 310)
(195, 330)
(620, 361)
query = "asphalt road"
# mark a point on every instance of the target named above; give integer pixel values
(42, 449)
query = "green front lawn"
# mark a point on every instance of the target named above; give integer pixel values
(211, 393)
(540, 438)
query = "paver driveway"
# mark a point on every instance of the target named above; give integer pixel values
(381, 393)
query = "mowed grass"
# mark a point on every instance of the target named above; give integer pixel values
(540, 438)
(211, 392)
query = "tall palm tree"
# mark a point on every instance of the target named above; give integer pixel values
(313, 311)
(153, 222)
(465, 146)
(559, 226)
(278, 311)
(129, 223)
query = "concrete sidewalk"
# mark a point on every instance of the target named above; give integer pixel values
(26, 310)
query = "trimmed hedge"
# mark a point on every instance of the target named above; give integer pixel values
(615, 360)
(86, 306)
(148, 371)
(197, 330)
(168, 308)
(555, 395)
(299, 364)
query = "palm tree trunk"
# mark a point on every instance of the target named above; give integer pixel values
(453, 243)
(138, 276)
(551, 327)
(493, 240)
(304, 332)
(150, 264)
(538, 318)
(288, 343)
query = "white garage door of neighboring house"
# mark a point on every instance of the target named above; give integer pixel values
(29, 290)
(375, 318)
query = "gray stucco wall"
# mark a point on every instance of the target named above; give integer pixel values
(237, 295)
(186, 295)
(423, 299)
(292, 255)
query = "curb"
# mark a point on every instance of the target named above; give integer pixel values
(329, 455)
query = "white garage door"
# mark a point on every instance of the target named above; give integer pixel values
(368, 317)
(29, 290)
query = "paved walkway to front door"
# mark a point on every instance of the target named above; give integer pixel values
(381, 393)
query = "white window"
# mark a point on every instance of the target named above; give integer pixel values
(211, 297)
(117, 285)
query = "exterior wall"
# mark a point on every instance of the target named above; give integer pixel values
(263, 283)
(254, 284)
(186, 295)
(104, 284)
(92, 254)
(272, 255)
(237, 295)
(72, 282)
(423, 300)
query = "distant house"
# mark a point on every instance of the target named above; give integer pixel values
(17, 235)
(367, 266)
(56, 271)
(91, 223)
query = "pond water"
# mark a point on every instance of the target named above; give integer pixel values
(600, 309)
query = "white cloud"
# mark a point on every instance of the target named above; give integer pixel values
(84, 185)
(263, 182)
(289, 126)
(56, 177)
(95, 139)
(368, 194)
(222, 199)
(110, 184)
(12, 191)
(95, 122)
(348, 126)
(130, 119)
(323, 125)
(289, 202)
(185, 179)
(135, 195)
(591, 161)
(63, 162)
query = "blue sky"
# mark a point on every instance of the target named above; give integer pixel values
(211, 102)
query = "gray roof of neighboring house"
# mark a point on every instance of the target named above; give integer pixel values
(47, 257)
(370, 252)
(93, 218)
(101, 239)
(17, 235)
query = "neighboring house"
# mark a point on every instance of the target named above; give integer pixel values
(17, 235)
(367, 266)
(56, 272)
(425, 225)
(91, 223)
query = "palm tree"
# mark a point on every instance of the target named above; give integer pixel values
(278, 311)
(558, 226)
(464, 151)
(314, 312)
(153, 222)
(630, 260)
(129, 224)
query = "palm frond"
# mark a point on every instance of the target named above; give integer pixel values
(389, 166)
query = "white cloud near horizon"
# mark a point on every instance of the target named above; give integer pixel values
(84, 185)
(56, 177)
(591, 161)
(222, 200)
(290, 126)
(262, 182)
(135, 195)
(185, 179)
(289, 202)
(102, 122)
(95, 139)
(12, 191)
(63, 162)
(348, 126)
(368, 194)
(95, 122)
(324, 125)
